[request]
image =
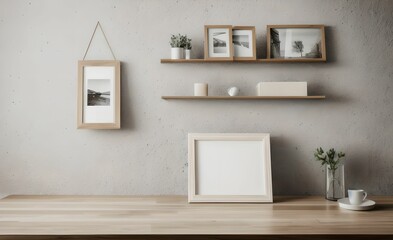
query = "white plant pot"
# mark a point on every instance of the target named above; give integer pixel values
(188, 53)
(177, 53)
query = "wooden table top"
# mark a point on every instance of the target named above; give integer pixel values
(167, 215)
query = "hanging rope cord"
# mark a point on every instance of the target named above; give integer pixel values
(91, 39)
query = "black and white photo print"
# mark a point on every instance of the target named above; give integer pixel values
(295, 43)
(243, 39)
(98, 92)
(218, 42)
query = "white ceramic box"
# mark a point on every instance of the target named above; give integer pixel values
(282, 89)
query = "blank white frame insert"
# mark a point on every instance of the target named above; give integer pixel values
(229, 167)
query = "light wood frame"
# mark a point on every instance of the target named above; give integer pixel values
(323, 42)
(193, 138)
(80, 115)
(230, 45)
(254, 46)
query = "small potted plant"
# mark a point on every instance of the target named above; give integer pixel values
(335, 187)
(177, 43)
(188, 47)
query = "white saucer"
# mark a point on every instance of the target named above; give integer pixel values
(366, 205)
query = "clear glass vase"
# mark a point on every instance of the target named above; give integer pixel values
(335, 185)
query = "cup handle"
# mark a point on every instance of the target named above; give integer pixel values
(365, 195)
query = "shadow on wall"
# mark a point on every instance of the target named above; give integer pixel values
(261, 45)
(330, 32)
(127, 121)
(356, 169)
(332, 96)
(365, 168)
(290, 176)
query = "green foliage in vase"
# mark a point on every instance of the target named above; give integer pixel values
(178, 41)
(188, 43)
(330, 158)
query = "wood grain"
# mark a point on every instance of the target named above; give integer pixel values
(98, 63)
(272, 60)
(144, 216)
(197, 237)
(241, 97)
(206, 43)
(193, 162)
(253, 44)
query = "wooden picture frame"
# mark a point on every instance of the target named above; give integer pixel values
(313, 37)
(98, 94)
(229, 167)
(223, 37)
(243, 51)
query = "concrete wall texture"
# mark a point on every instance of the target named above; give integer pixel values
(42, 152)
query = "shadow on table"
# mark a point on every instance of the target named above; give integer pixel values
(383, 207)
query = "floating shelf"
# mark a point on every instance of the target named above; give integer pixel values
(241, 97)
(274, 60)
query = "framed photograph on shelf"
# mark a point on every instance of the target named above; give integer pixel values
(99, 94)
(218, 42)
(296, 42)
(244, 43)
(229, 167)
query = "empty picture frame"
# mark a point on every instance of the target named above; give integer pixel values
(229, 167)
(296, 42)
(218, 42)
(98, 94)
(244, 43)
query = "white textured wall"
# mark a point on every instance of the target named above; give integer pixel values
(42, 152)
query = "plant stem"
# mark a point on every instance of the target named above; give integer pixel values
(333, 174)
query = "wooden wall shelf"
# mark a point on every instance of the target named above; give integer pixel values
(276, 60)
(241, 97)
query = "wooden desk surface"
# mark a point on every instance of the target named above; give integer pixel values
(163, 216)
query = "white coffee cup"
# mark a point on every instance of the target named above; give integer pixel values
(356, 196)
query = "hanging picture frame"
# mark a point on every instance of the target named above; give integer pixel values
(293, 43)
(244, 43)
(99, 94)
(229, 167)
(218, 42)
(98, 91)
